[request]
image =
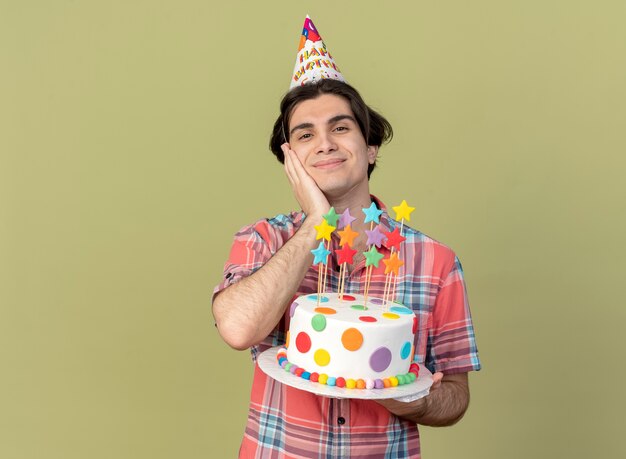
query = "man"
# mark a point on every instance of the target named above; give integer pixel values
(328, 140)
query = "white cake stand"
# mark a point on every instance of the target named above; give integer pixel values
(405, 393)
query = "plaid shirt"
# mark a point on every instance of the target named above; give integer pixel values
(284, 422)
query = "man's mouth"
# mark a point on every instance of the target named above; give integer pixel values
(328, 163)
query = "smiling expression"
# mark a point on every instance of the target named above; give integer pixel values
(328, 141)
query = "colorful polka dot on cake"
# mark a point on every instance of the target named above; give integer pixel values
(352, 339)
(380, 359)
(322, 299)
(321, 357)
(400, 310)
(292, 309)
(390, 315)
(368, 319)
(325, 311)
(303, 342)
(406, 350)
(318, 322)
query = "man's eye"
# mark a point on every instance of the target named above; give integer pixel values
(304, 136)
(341, 128)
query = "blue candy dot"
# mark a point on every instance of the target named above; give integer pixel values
(400, 310)
(406, 350)
(323, 299)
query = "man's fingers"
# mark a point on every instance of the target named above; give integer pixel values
(289, 169)
(437, 377)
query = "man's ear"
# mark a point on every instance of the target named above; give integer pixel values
(372, 153)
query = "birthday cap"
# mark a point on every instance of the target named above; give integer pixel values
(313, 62)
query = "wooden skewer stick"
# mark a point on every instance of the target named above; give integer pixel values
(343, 279)
(386, 289)
(319, 283)
(325, 273)
(340, 281)
(368, 271)
(368, 278)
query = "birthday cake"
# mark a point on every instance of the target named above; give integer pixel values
(352, 340)
(343, 343)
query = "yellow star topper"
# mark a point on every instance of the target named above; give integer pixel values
(403, 211)
(324, 230)
(392, 264)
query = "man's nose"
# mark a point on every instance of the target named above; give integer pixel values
(326, 144)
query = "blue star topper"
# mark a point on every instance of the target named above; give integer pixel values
(321, 254)
(372, 214)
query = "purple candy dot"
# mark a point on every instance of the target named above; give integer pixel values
(376, 301)
(293, 369)
(378, 384)
(284, 363)
(292, 310)
(380, 359)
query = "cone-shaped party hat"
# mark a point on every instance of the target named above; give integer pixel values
(313, 61)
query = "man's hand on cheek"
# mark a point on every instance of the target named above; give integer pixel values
(309, 196)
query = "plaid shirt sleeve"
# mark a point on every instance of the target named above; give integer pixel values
(252, 247)
(451, 339)
(249, 252)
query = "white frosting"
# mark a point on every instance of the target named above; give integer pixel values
(389, 332)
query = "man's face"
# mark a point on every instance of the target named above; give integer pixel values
(326, 137)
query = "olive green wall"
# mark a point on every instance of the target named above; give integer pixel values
(133, 145)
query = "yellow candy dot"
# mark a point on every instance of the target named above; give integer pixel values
(323, 378)
(287, 341)
(321, 357)
(390, 315)
(394, 381)
(350, 383)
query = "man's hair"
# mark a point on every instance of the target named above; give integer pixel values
(375, 128)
